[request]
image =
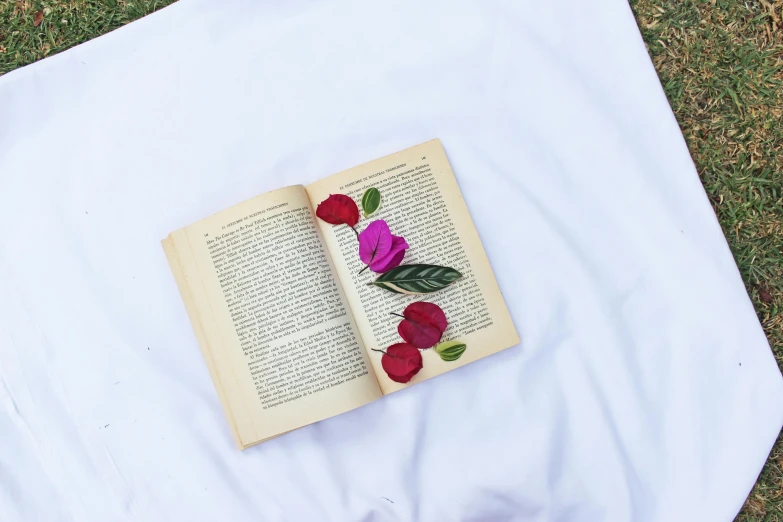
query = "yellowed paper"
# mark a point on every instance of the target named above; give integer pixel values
(286, 322)
(421, 201)
(270, 316)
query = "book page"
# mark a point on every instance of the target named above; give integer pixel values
(270, 316)
(421, 201)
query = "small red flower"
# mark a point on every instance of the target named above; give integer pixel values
(338, 209)
(401, 362)
(423, 324)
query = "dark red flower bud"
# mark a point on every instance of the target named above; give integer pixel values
(338, 209)
(423, 324)
(401, 362)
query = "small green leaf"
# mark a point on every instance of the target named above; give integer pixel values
(371, 201)
(451, 350)
(417, 279)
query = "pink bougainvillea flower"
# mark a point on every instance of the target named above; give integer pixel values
(401, 362)
(338, 209)
(423, 324)
(379, 249)
(375, 241)
(392, 258)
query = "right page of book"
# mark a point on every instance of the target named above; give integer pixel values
(420, 201)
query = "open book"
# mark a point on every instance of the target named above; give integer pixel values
(286, 322)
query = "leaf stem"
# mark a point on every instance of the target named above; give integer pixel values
(354, 231)
(398, 315)
(384, 353)
(363, 269)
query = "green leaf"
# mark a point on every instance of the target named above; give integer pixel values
(371, 201)
(734, 98)
(417, 279)
(451, 350)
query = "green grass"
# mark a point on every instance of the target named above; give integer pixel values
(64, 24)
(721, 64)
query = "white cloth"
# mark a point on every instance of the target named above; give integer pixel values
(644, 388)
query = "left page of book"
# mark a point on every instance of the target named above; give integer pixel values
(270, 316)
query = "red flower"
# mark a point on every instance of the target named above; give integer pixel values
(401, 362)
(423, 324)
(338, 209)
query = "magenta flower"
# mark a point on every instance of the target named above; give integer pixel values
(393, 258)
(379, 249)
(374, 241)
